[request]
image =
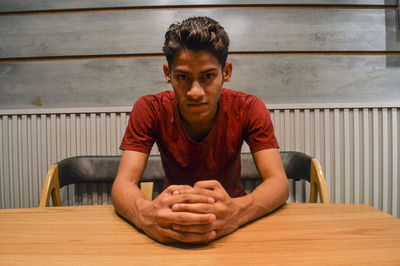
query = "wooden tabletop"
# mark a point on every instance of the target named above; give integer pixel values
(298, 234)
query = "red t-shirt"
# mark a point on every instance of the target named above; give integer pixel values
(155, 118)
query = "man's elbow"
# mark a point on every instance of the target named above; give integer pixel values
(114, 192)
(285, 189)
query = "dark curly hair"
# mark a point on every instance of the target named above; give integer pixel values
(196, 34)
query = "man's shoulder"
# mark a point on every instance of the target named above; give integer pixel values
(237, 97)
(154, 104)
(161, 99)
(164, 96)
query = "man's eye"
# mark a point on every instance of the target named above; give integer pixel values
(181, 77)
(210, 76)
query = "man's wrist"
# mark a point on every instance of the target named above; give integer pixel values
(140, 206)
(243, 203)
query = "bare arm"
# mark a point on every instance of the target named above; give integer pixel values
(155, 218)
(125, 188)
(234, 212)
(273, 191)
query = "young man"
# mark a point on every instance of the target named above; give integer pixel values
(199, 129)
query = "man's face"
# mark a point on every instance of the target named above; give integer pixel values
(197, 79)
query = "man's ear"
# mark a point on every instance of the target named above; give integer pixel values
(167, 73)
(227, 71)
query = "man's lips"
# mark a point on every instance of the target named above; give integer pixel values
(196, 104)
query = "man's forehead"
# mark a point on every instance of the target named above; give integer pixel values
(190, 59)
(187, 56)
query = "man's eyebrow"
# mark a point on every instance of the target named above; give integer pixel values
(202, 72)
(207, 70)
(210, 70)
(180, 71)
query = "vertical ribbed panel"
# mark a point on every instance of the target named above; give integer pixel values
(357, 148)
(395, 206)
(31, 143)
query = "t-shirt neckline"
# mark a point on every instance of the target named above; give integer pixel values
(185, 133)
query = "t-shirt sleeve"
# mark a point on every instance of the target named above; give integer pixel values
(140, 132)
(259, 130)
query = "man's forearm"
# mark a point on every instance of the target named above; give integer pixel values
(271, 193)
(268, 196)
(125, 197)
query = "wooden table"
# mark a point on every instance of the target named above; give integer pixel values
(299, 234)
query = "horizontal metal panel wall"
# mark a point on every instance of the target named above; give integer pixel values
(357, 147)
(99, 53)
(43, 5)
(118, 33)
(274, 79)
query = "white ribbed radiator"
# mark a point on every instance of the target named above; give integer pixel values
(357, 146)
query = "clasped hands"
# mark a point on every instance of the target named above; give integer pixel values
(182, 213)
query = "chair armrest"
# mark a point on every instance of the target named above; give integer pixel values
(51, 187)
(147, 189)
(318, 183)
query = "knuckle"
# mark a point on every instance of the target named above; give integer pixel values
(204, 208)
(223, 210)
(164, 201)
(183, 197)
(204, 219)
(215, 182)
(185, 237)
(205, 229)
(180, 217)
(159, 216)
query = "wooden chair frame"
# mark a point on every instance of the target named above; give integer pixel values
(51, 187)
(318, 183)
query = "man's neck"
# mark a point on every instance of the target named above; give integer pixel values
(198, 133)
(199, 130)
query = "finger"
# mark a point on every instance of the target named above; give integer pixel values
(195, 191)
(193, 228)
(214, 195)
(166, 218)
(188, 237)
(188, 218)
(211, 188)
(193, 207)
(193, 237)
(187, 197)
(172, 188)
(208, 184)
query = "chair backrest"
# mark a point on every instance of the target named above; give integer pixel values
(297, 165)
(98, 169)
(87, 169)
(95, 169)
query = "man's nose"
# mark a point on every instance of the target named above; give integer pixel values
(196, 91)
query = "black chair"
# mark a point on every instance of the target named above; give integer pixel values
(92, 170)
(97, 169)
(298, 166)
